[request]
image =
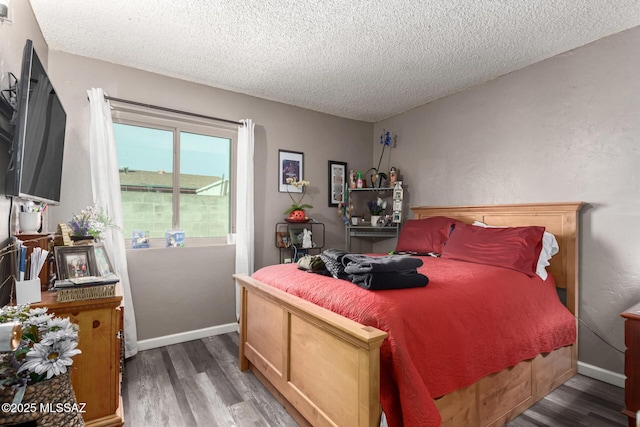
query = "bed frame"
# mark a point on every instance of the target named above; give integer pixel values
(300, 351)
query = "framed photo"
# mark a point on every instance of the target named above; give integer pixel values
(290, 165)
(337, 180)
(103, 265)
(295, 235)
(282, 239)
(75, 261)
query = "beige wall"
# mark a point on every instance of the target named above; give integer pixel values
(566, 129)
(194, 286)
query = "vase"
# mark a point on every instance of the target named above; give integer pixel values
(82, 240)
(375, 220)
(299, 215)
(53, 400)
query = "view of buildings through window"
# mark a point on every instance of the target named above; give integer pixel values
(174, 179)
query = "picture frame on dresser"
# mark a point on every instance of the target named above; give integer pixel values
(74, 261)
(103, 264)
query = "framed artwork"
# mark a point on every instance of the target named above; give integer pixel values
(74, 261)
(290, 165)
(103, 265)
(296, 234)
(282, 239)
(337, 180)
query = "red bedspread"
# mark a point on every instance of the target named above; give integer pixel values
(470, 321)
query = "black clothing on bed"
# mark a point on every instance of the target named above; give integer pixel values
(362, 264)
(399, 280)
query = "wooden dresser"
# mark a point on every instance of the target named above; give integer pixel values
(632, 363)
(95, 373)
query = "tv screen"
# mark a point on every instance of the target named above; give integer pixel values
(38, 145)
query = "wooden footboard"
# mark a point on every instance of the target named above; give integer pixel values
(325, 368)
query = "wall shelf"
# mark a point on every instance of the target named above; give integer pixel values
(357, 196)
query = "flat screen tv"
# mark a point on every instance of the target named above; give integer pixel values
(35, 171)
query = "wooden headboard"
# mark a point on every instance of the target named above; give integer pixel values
(561, 219)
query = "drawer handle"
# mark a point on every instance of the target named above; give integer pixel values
(96, 324)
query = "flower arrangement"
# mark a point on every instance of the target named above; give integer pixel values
(385, 140)
(376, 207)
(297, 204)
(47, 345)
(91, 221)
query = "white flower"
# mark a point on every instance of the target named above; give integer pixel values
(48, 343)
(39, 320)
(59, 323)
(52, 337)
(38, 311)
(50, 359)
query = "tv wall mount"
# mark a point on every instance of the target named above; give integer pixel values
(8, 102)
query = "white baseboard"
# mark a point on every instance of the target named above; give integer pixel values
(600, 374)
(186, 336)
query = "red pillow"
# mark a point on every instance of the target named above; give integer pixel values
(517, 248)
(425, 235)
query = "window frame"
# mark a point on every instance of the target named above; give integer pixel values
(177, 123)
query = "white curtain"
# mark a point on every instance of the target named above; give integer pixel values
(244, 204)
(105, 182)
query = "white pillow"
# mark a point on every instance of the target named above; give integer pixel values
(549, 248)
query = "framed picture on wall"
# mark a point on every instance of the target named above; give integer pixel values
(290, 165)
(337, 180)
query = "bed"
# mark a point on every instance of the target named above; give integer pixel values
(326, 368)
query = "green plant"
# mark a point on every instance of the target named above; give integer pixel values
(297, 204)
(376, 207)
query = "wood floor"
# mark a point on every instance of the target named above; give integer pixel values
(198, 383)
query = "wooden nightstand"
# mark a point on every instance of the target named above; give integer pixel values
(632, 363)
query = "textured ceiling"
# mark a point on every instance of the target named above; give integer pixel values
(365, 60)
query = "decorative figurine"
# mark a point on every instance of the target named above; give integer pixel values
(352, 179)
(393, 176)
(306, 239)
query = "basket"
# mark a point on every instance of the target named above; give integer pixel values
(86, 292)
(50, 403)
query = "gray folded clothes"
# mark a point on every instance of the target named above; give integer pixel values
(332, 259)
(363, 264)
(395, 280)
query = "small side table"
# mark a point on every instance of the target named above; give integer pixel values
(289, 241)
(632, 363)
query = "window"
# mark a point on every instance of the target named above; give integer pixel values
(175, 174)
